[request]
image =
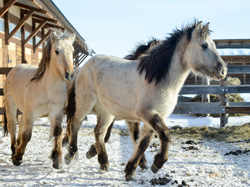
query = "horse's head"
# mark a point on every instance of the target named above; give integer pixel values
(201, 53)
(62, 53)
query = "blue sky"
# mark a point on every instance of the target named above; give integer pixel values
(115, 27)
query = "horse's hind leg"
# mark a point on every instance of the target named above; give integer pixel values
(92, 150)
(10, 111)
(134, 131)
(56, 124)
(146, 136)
(28, 121)
(101, 128)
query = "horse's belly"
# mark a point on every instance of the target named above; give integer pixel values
(117, 109)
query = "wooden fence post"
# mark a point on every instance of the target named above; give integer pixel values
(205, 97)
(224, 102)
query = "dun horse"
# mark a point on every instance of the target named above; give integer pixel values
(133, 127)
(40, 91)
(144, 90)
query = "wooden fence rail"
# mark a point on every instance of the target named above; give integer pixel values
(203, 107)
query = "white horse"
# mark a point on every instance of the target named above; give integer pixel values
(40, 91)
(144, 90)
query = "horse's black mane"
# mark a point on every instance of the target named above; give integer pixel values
(156, 64)
(142, 48)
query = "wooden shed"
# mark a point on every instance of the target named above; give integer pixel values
(24, 28)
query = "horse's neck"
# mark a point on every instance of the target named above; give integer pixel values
(178, 72)
(52, 77)
(178, 76)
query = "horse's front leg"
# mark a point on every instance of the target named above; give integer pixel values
(164, 134)
(24, 138)
(73, 134)
(146, 136)
(56, 124)
(65, 140)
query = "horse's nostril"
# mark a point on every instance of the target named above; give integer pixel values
(67, 75)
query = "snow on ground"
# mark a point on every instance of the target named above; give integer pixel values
(206, 166)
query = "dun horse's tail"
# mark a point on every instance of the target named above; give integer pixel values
(71, 107)
(5, 122)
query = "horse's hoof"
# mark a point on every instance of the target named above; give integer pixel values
(57, 166)
(130, 178)
(57, 163)
(143, 165)
(68, 159)
(92, 152)
(16, 162)
(104, 167)
(154, 168)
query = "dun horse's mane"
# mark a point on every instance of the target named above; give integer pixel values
(156, 64)
(45, 61)
(142, 48)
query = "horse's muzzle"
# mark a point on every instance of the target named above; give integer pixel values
(221, 72)
(69, 76)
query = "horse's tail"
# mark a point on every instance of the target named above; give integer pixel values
(5, 120)
(71, 107)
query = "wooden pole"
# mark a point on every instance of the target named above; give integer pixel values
(224, 102)
(206, 97)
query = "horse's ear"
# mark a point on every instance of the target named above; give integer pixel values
(198, 29)
(71, 38)
(206, 27)
(53, 35)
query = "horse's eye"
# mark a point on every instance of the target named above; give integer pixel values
(57, 52)
(204, 46)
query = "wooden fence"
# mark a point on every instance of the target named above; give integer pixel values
(223, 107)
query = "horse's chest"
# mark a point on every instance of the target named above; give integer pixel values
(166, 106)
(44, 103)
